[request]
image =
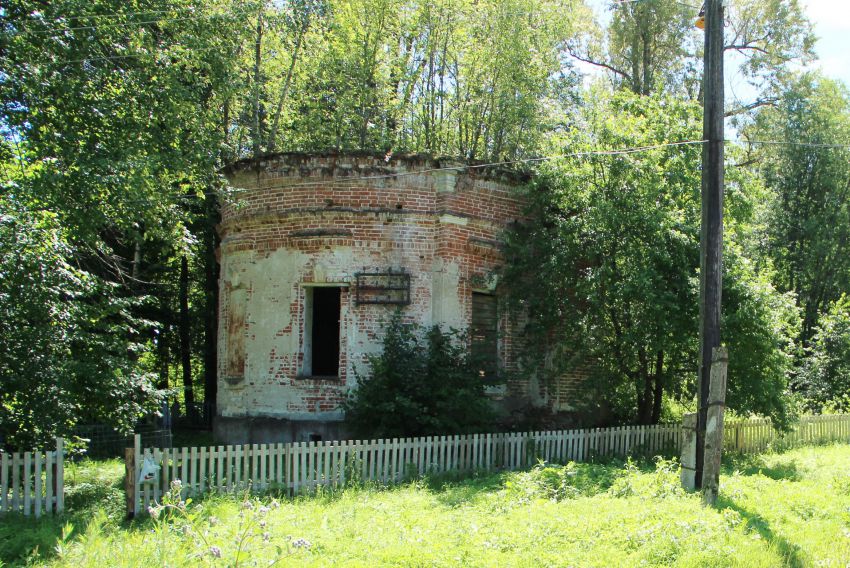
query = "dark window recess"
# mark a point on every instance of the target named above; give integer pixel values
(484, 331)
(324, 340)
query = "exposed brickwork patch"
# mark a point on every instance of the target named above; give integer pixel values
(302, 220)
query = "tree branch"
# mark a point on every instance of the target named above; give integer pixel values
(622, 74)
(745, 46)
(753, 105)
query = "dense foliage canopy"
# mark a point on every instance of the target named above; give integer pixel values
(607, 267)
(116, 118)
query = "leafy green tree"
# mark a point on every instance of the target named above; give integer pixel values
(808, 174)
(646, 46)
(767, 36)
(653, 45)
(607, 260)
(111, 119)
(824, 379)
(68, 351)
(759, 326)
(606, 269)
(455, 77)
(418, 386)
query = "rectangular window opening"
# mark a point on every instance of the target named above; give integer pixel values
(321, 331)
(485, 337)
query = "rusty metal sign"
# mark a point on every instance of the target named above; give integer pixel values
(390, 287)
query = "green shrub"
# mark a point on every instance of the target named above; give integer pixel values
(661, 484)
(421, 384)
(561, 482)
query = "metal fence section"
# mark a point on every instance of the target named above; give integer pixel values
(197, 416)
(105, 442)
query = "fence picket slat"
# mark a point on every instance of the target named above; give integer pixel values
(202, 468)
(49, 480)
(5, 467)
(37, 499)
(253, 465)
(157, 487)
(192, 469)
(344, 455)
(238, 458)
(25, 479)
(311, 465)
(146, 489)
(16, 481)
(60, 475)
(301, 480)
(165, 470)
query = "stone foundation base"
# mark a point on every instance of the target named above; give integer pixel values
(247, 430)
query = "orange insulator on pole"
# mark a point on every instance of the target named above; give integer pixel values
(700, 23)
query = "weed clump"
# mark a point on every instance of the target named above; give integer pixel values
(234, 544)
(560, 482)
(574, 480)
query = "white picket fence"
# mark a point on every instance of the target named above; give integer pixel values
(757, 434)
(300, 467)
(33, 483)
(304, 466)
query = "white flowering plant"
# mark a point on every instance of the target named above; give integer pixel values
(208, 540)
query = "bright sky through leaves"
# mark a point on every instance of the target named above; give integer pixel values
(831, 21)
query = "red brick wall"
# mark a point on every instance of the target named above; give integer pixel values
(296, 220)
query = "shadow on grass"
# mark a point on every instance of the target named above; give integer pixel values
(19, 535)
(755, 464)
(788, 550)
(453, 492)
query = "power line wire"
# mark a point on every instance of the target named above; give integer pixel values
(615, 152)
(128, 24)
(786, 143)
(152, 53)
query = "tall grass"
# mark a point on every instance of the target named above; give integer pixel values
(784, 509)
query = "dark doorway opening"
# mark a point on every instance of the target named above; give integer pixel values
(324, 340)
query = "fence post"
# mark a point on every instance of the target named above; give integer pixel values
(689, 451)
(130, 481)
(59, 477)
(131, 476)
(714, 425)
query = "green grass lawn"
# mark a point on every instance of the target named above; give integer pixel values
(787, 509)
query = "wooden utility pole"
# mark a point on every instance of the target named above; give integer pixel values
(711, 233)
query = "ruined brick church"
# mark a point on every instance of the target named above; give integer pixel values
(318, 250)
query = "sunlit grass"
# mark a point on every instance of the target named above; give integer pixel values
(788, 509)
